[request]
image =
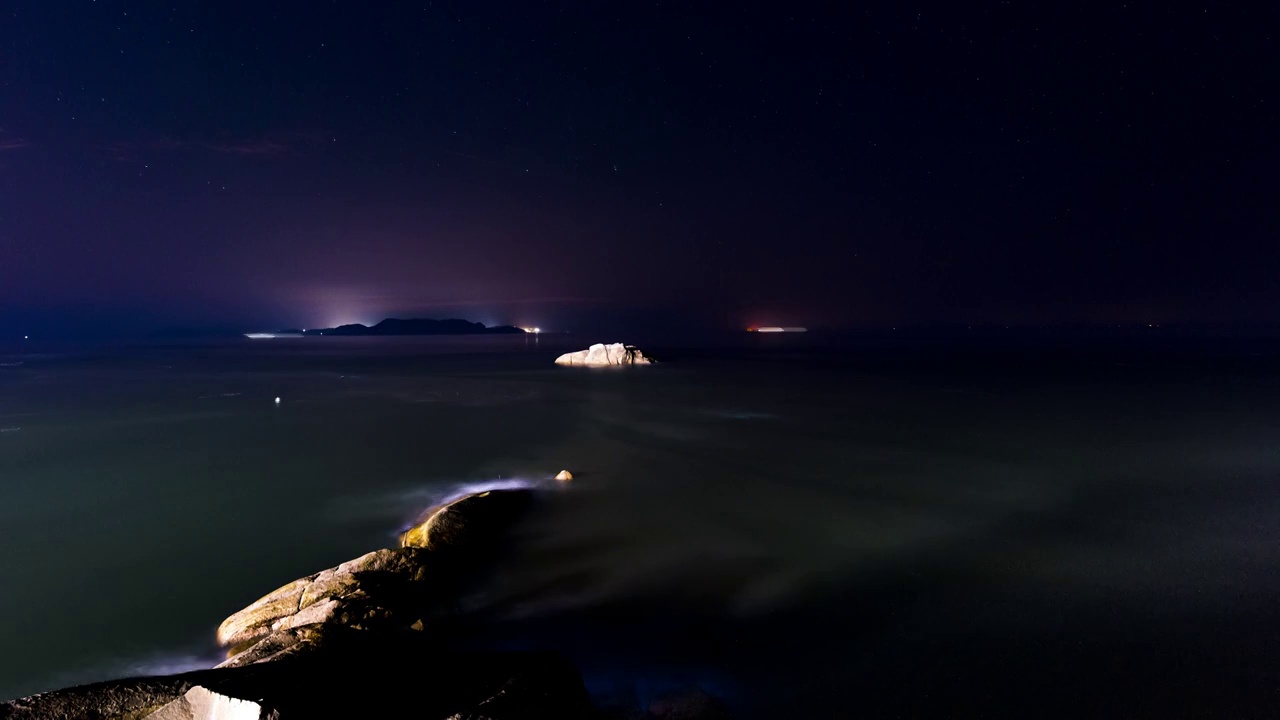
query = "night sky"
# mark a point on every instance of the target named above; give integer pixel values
(605, 164)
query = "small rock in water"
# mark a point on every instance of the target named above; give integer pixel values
(564, 476)
(600, 355)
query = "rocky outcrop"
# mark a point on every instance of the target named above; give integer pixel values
(372, 591)
(385, 590)
(382, 618)
(117, 699)
(200, 703)
(601, 355)
(471, 524)
(371, 637)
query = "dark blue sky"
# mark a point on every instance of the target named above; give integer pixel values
(272, 164)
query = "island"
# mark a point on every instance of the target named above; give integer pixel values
(395, 326)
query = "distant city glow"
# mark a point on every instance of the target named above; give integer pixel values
(533, 330)
(775, 329)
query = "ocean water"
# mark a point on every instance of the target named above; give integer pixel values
(795, 525)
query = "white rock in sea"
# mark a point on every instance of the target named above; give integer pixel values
(600, 355)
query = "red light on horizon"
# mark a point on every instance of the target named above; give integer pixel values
(776, 329)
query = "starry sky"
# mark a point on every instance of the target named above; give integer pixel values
(571, 165)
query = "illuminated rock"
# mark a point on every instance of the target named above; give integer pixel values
(600, 355)
(384, 589)
(564, 476)
(282, 644)
(202, 704)
(334, 595)
(470, 522)
(342, 643)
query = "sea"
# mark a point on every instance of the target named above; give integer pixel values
(799, 525)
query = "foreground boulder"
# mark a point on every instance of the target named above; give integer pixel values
(365, 593)
(200, 703)
(385, 590)
(133, 698)
(600, 355)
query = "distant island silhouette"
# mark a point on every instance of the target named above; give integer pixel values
(416, 326)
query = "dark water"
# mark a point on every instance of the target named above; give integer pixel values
(873, 531)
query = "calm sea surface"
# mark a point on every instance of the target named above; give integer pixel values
(853, 530)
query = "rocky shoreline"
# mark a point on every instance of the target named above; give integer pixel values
(374, 636)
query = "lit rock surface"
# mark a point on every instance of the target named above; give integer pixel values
(202, 704)
(469, 523)
(334, 595)
(600, 355)
(385, 590)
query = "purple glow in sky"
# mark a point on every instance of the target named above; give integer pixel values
(611, 165)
